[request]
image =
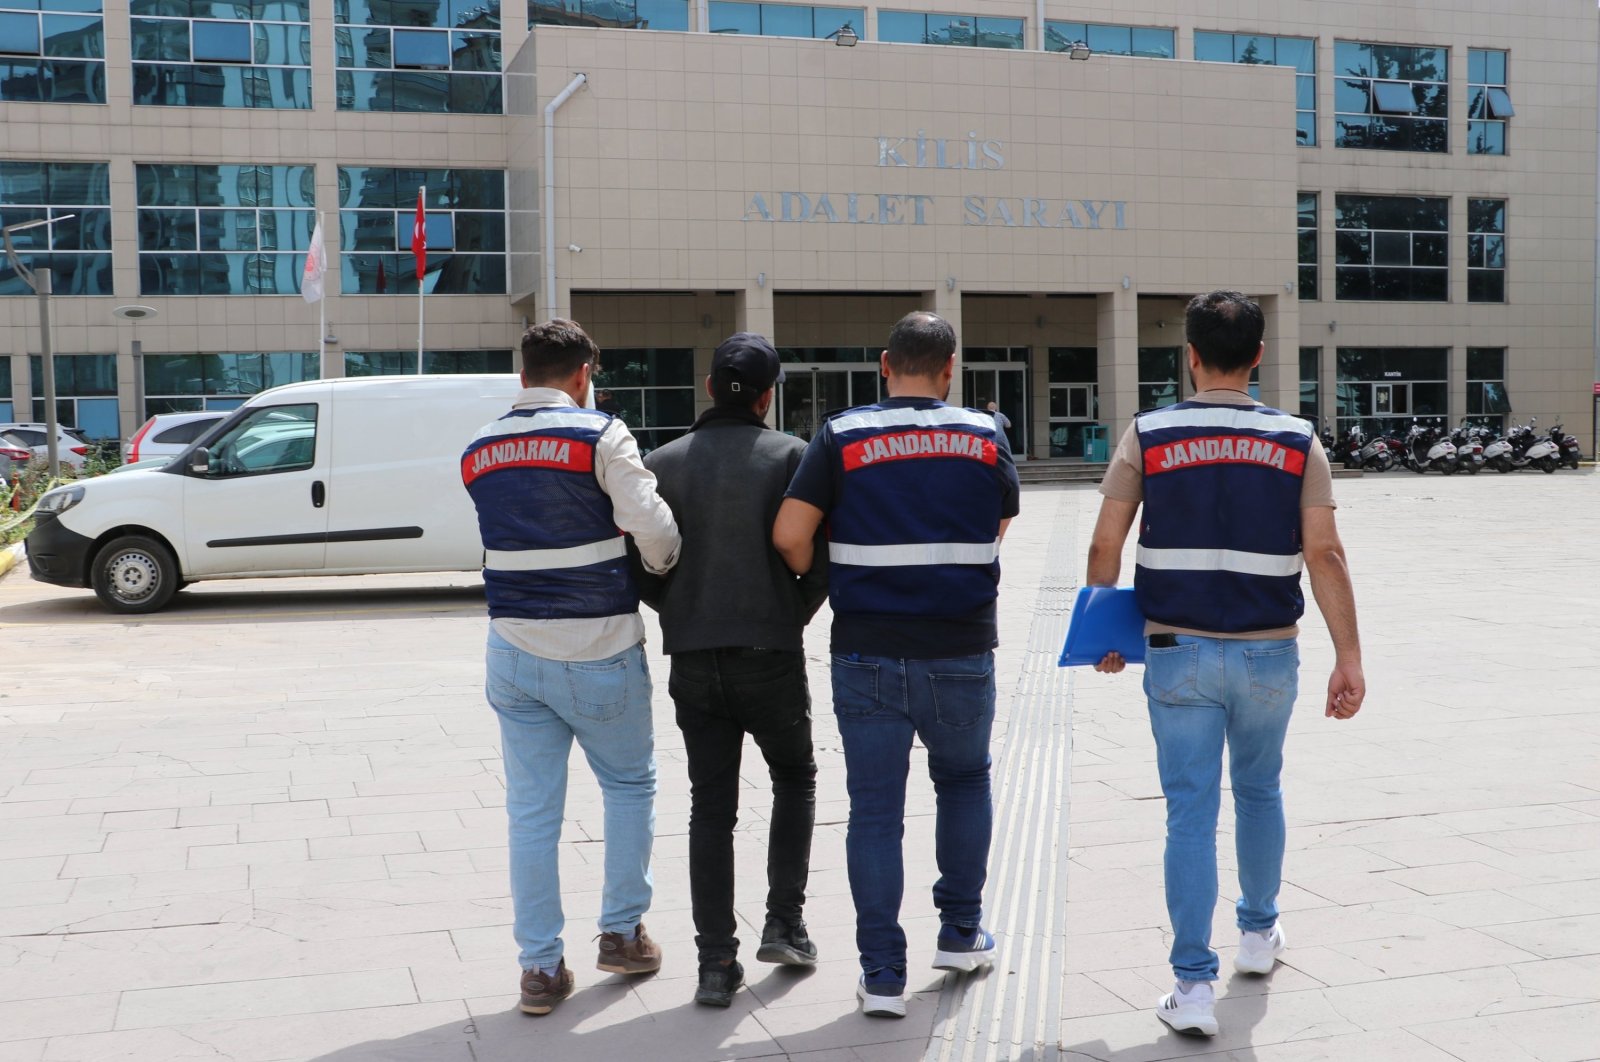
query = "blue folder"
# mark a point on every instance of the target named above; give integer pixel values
(1105, 619)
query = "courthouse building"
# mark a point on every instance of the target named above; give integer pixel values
(1408, 188)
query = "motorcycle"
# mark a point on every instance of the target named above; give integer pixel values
(1430, 448)
(1469, 448)
(1566, 447)
(1522, 448)
(1367, 454)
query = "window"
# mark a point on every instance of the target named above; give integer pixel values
(441, 57)
(466, 228)
(1488, 101)
(406, 363)
(1486, 250)
(614, 14)
(650, 388)
(1074, 400)
(1391, 97)
(1488, 402)
(1259, 49)
(1310, 383)
(223, 230)
(6, 405)
(268, 439)
(917, 27)
(1308, 246)
(86, 392)
(784, 20)
(238, 54)
(53, 55)
(1159, 380)
(1148, 42)
(1392, 248)
(77, 248)
(187, 383)
(1380, 389)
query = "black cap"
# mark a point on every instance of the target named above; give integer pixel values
(743, 367)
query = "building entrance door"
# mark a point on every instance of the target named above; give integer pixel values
(1006, 385)
(810, 392)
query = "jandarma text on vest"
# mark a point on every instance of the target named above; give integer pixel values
(1226, 449)
(565, 455)
(898, 446)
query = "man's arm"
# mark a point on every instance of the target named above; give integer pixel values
(635, 505)
(1105, 547)
(794, 533)
(1336, 598)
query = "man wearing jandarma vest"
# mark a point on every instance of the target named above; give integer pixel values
(557, 486)
(1238, 499)
(917, 496)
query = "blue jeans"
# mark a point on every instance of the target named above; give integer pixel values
(1204, 692)
(882, 704)
(542, 705)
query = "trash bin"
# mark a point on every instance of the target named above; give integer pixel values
(1095, 447)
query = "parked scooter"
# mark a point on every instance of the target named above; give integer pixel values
(1429, 448)
(1566, 447)
(1469, 448)
(1523, 449)
(1369, 455)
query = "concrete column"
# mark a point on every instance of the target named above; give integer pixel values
(947, 304)
(21, 387)
(1117, 336)
(1280, 365)
(753, 312)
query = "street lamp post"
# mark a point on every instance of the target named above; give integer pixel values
(136, 348)
(39, 281)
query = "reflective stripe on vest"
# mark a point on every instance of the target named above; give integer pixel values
(1212, 417)
(536, 560)
(539, 421)
(1220, 560)
(911, 553)
(939, 417)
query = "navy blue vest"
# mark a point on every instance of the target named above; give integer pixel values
(915, 527)
(1219, 537)
(551, 545)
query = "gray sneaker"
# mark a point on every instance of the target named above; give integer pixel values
(787, 944)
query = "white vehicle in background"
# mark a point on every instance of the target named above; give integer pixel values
(72, 446)
(168, 434)
(328, 477)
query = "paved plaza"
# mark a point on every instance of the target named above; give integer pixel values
(267, 825)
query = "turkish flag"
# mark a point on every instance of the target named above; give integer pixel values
(383, 281)
(419, 237)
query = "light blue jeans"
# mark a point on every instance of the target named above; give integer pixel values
(543, 705)
(1205, 692)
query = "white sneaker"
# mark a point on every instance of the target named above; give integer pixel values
(881, 999)
(1190, 1007)
(1258, 951)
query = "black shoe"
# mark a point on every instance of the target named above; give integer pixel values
(787, 944)
(718, 983)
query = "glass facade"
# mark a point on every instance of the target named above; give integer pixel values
(1391, 97)
(1380, 389)
(1488, 401)
(1307, 208)
(77, 249)
(1486, 250)
(613, 14)
(442, 56)
(406, 362)
(1392, 248)
(1488, 101)
(187, 383)
(920, 27)
(1311, 384)
(466, 227)
(52, 51)
(244, 53)
(223, 230)
(1259, 49)
(5, 390)
(86, 392)
(784, 20)
(1159, 380)
(650, 388)
(1074, 400)
(1147, 42)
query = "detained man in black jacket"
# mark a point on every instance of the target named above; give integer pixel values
(732, 621)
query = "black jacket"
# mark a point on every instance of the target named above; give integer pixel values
(724, 482)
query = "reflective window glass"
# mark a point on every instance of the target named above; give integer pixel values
(1488, 102)
(52, 57)
(465, 229)
(421, 49)
(1308, 246)
(398, 57)
(211, 54)
(785, 20)
(76, 245)
(221, 42)
(1391, 97)
(1391, 248)
(904, 27)
(1257, 49)
(19, 33)
(735, 18)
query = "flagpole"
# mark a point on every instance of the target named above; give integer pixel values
(422, 197)
(322, 316)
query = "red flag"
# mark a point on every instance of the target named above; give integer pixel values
(383, 282)
(419, 238)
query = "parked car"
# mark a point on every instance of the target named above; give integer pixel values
(326, 477)
(72, 446)
(14, 454)
(168, 434)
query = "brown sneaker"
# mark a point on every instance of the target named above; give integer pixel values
(622, 954)
(541, 992)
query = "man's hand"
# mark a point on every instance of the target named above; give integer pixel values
(1111, 663)
(1347, 688)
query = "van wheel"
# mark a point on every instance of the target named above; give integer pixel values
(134, 574)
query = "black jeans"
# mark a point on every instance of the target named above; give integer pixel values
(721, 695)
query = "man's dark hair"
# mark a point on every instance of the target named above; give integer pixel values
(920, 343)
(1225, 328)
(555, 349)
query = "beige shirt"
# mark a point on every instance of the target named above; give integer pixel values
(1124, 481)
(639, 511)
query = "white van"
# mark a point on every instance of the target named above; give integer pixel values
(329, 477)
